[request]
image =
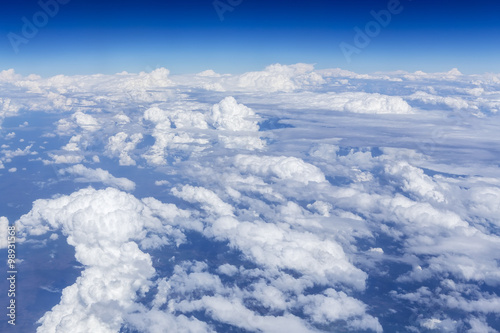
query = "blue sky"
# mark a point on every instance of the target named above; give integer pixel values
(112, 36)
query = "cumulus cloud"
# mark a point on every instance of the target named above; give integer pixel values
(211, 201)
(281, 167)
(65, 159)
(73, 144)
(452, 102)
(121, 144)
(229, 115)
(350, 188)
(104, 227)
(279, 77)
(87, 175)
(355, 102)
(85, 121)
(4, 223)
(333, 305)
(276, 246)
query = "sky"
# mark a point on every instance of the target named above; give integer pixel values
(279, 197)
(93, 36)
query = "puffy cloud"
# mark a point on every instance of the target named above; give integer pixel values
(445, 325)
(155, 321)
(356, 102)
(65, 159)
(452, 75)
(103, 293)
(73, 143)
(211, 201)
(276, 245)
(242, 142)
(121, 119)
(480, 326)
(415, 181)
(86, 121)
(10, 154)
(333, 305)
(87, 175)
(229, 115)
(452, 102)
(233, 312)
(280, 78)
(340, 202)
(4, 223)
(104, 227)
(375, 103)
(484, 201)
(155, 115)
(8, 108)
(209, 72)
(119, 145)
(175, 130)
(282, 167)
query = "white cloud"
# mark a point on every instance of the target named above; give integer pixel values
(414, 181)
(333, 305)
(242, 142)
(282, 167)
(4, 223)
(9, 154)
(355, 102)
(211, 202)
(452, 102)
(233, 312)
(280, 78)
(85, 121)
(121, 119)
(155, 115)
(276, 245)
(121, 145)
(446, 325)
(480, 326)
(73, 143)
(353, 180)
(87, 175)
(104, 227)
(65, 159)
(229, 115)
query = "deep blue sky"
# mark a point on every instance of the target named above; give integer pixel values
(90, 36)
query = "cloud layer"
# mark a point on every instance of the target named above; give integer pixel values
(284, 199)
